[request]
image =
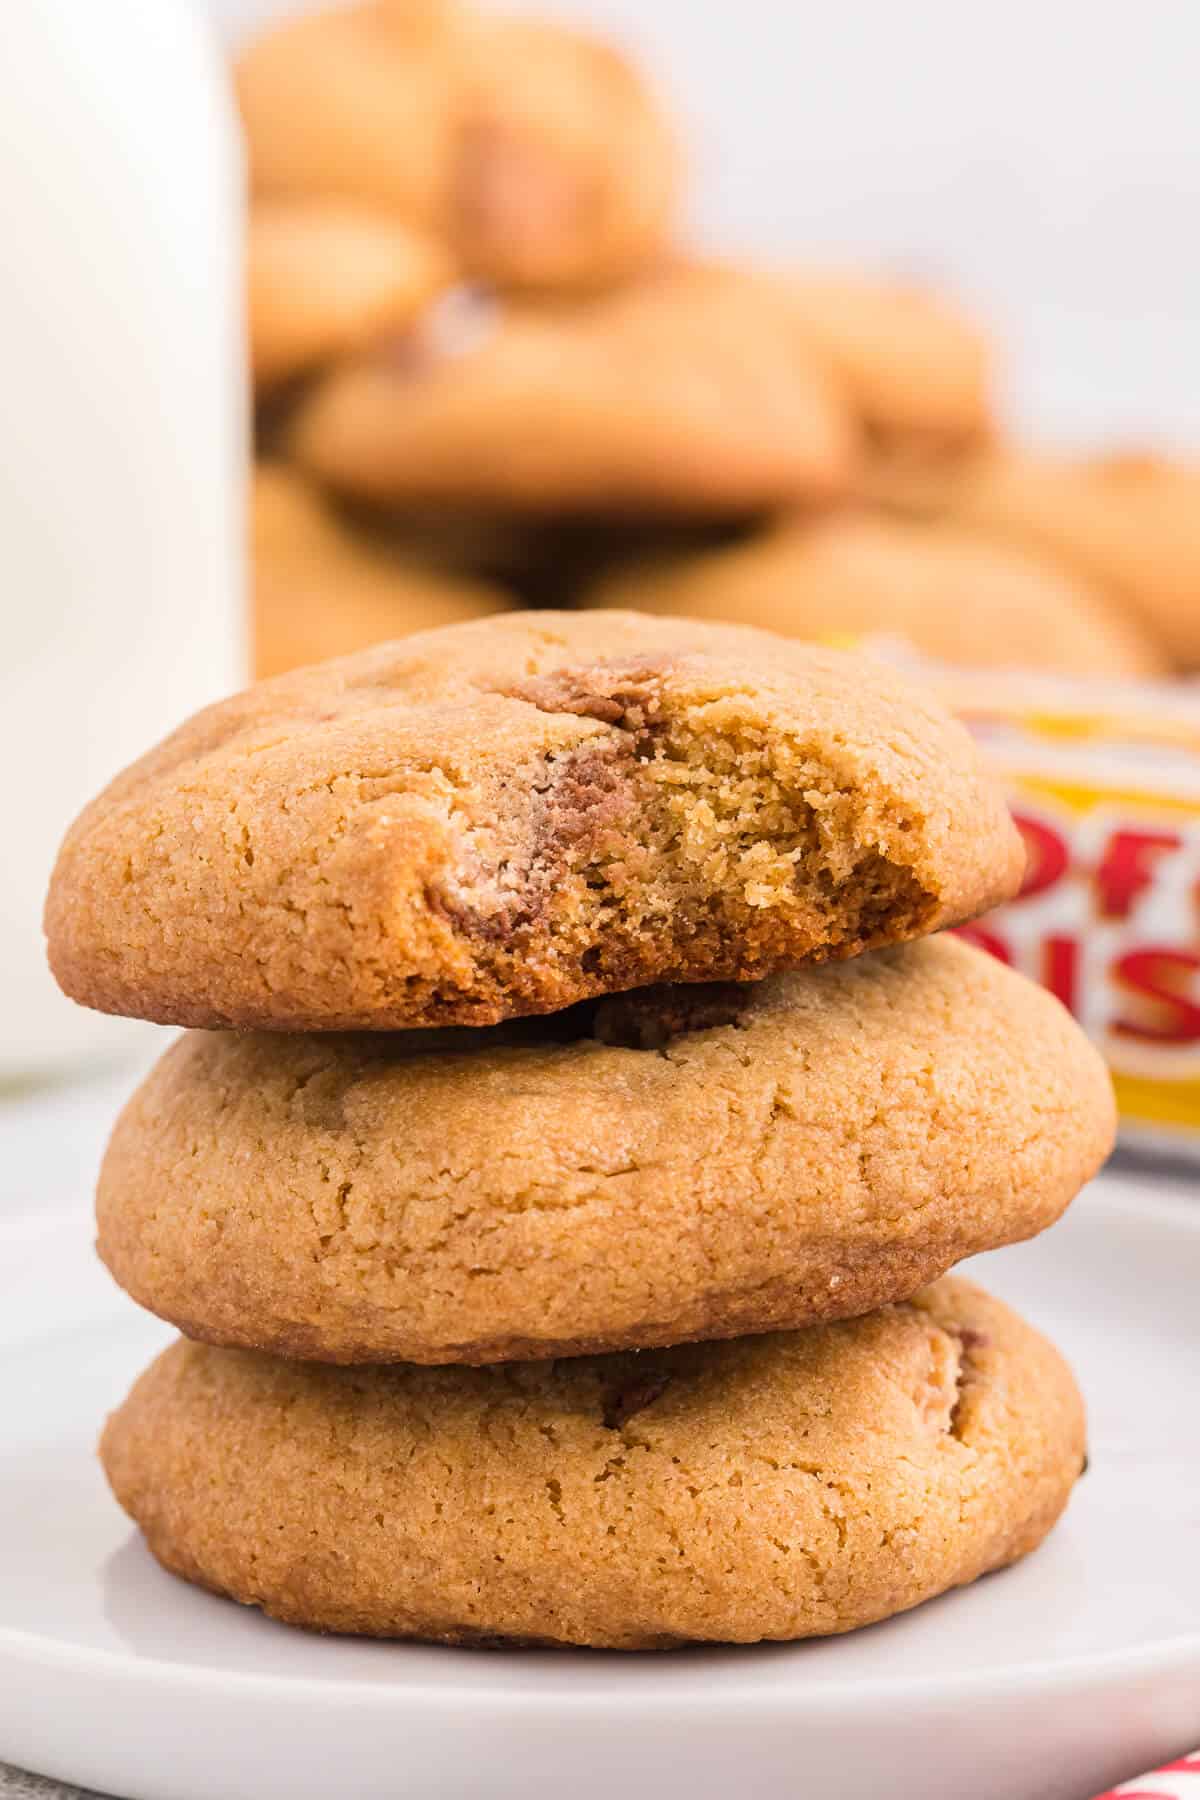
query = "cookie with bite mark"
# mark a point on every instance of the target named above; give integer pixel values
(507, 816)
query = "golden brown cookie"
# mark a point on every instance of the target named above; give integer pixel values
(785, 1486)
(564, 166)
(357, 103)
(1129, 522)
(955, 594)
(507, 816)
(674, 1163)
(686, 392)
(321, 589)
(534, 152)
(325, 278)
(916, 367)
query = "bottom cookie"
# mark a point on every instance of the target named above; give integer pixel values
(784, 1486)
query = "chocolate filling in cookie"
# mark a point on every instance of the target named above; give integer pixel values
(511, 815)
(736, 842)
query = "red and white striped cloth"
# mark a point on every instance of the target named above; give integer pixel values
(1174, 1781)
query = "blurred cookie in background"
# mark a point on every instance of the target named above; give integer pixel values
(472, 333)
(953, 595)
(1127, 522)
(321, 590)
(686, 392)
(564, 166)
(916, 367)
(356, 104)
(535, 153)
(496, 546)
(543, 560)
(324, 278)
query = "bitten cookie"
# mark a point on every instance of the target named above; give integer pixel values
(785, 1486)
(507, 816)
(325, 278)
(322, 590)
(686, 392)
(536, 153)
(673, 1163)
(1130, 523)
(955, 594)
(918, 370)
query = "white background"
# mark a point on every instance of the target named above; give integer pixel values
(1042, 158)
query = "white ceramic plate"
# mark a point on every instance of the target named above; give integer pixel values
(1045, 1682)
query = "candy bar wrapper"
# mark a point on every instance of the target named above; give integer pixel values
(1104, 781)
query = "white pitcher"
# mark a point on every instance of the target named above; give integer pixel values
(122, 442)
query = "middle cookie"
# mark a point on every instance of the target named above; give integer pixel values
(670, 1164)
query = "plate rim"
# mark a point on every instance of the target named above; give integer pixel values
(1071, 1673)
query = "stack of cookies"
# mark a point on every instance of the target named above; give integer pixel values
(582, 1104)
(488, 373)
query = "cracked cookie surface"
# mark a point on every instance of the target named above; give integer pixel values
(785, 1486)
(675, 1163)
(507, 816)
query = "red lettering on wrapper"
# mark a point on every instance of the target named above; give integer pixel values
(1048, 854)
(1060, 970)
(1155, 976)
(1127, 868)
